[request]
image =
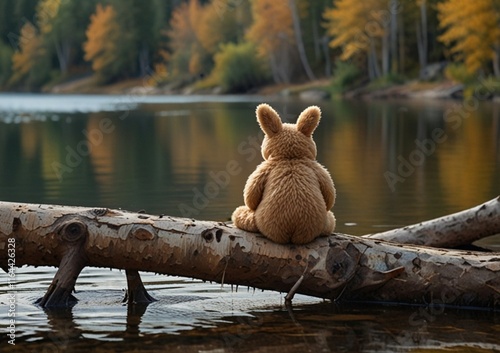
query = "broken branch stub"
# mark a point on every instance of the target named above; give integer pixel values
(71, 234)
(136, 292)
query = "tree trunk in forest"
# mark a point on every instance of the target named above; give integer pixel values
(337, 267)
(283, 63)
(274, 68)
(279, 62)
(371, 74)
(300, 41)
(318, 42)
(496, 61)
(401, 45)
(63, 51)
(385, 52)
(394, 35)
(422, 45)
(373, 62)
(143, 60)
(326, 51)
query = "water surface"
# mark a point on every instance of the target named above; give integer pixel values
(394, 163)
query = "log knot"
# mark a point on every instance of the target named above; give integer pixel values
(143, 232)
(99, 211)
(341, 263)
(16, 224)
(73, 230)
(212, 233)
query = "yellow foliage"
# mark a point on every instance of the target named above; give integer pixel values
(195, 63)
(355, 24)
(46, 13)
(30, 48)
(197, 32)
(100, 47)
(471, 29)
(184, 33)
(160, 74)
(215, 27)
(272, 26)
(195, 16)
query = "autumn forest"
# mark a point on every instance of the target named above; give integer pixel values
(238, 45)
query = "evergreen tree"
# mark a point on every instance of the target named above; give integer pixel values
(13, 15)
(64, 29)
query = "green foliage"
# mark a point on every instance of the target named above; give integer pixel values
(12, 15)
(482, 88)
(238, 68)
(460, 73)
(122, 38)
(31, 67)
(140, 23)
(473, 85)
(67, 35)
(39, 74)
(489, 86)
(385, 82)
(345, 76)
(5, 63)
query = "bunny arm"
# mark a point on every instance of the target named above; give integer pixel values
(326, 186)
(254, 187)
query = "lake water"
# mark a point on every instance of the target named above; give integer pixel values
(393, 162)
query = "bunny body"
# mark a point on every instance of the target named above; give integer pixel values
(289, 196)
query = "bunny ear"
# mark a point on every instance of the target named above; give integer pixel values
(268, 119)
(308, 120)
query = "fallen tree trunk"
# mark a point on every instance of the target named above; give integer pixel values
(337, 267)
(458, 229)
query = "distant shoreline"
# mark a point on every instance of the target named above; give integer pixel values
(314, 91)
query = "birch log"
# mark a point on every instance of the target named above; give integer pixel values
(461, 228)
(338, 267)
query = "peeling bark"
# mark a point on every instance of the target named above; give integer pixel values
(338, 267)
(458, 229)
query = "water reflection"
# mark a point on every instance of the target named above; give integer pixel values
(319, 327)
(192, 158)
(393, 163)
(63, 330)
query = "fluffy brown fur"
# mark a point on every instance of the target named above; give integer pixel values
(289, 196)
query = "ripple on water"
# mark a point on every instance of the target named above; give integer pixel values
(183, 304)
